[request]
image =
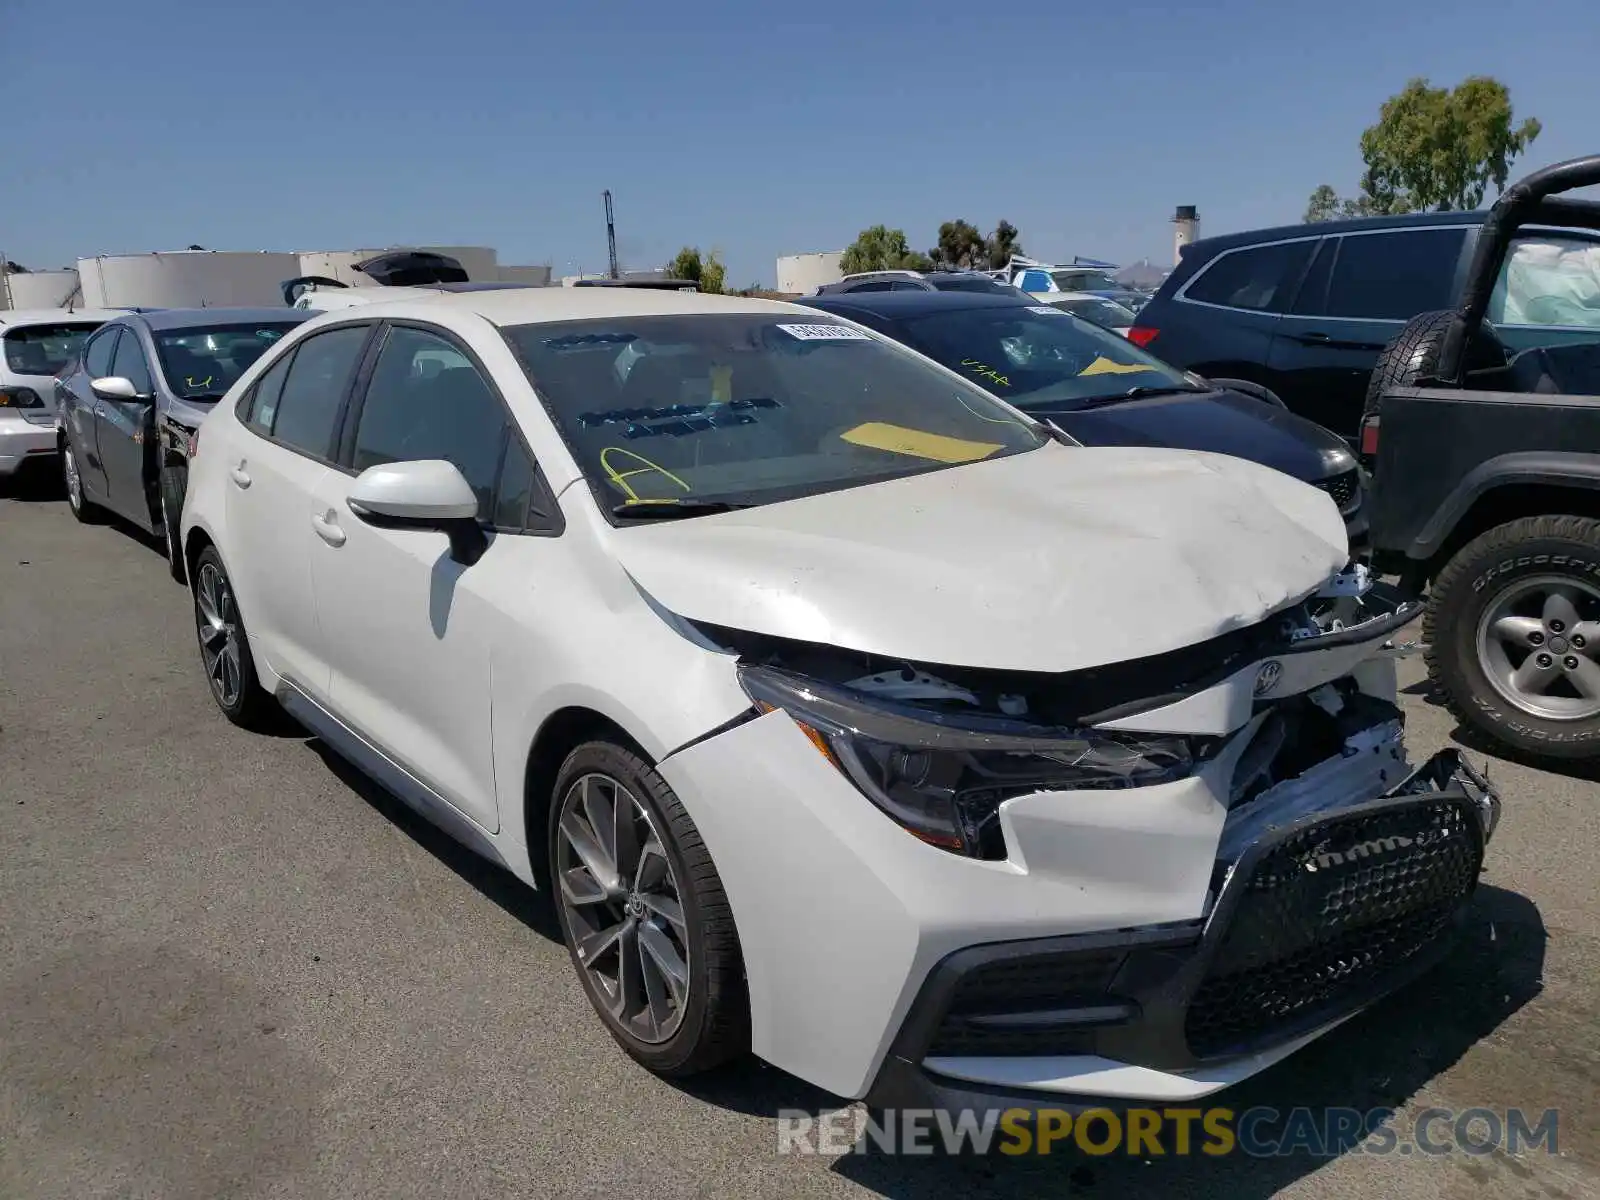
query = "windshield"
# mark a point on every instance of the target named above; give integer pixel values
(1035, 354)
(752, 408)
(1084, 281)
(45, 349)
(202, 364)
(1105, 313)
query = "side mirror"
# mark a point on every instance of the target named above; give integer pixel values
(421, 494)
(116, 387)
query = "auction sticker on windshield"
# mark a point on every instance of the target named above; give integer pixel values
(825, 333)
(1046, 310)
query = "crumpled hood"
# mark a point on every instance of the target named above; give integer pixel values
(1053, 560)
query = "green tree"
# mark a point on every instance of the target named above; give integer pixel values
(688, 265)
(713, 275)
(1434, 148)
(882, 249)
(1323, 205)
(1003, 243)
(961, 247)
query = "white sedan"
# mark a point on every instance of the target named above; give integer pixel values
(851, 716)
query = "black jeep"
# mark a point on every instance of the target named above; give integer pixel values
(1488, 480)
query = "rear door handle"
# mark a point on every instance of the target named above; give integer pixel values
(328, 529)
(240, 475)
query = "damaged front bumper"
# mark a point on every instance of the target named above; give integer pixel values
(1315, 919)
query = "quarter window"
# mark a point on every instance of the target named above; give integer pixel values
(1259, 278)
(262, 405)
(427, 400)
(1394, 276)
(307, 404)
(97, 355)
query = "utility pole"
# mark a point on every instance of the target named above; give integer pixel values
(611, 237)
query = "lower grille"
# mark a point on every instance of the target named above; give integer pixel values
(1022, 1005)
(1345, 489)
(1333, 912)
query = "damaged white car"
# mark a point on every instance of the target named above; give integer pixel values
(851, 716)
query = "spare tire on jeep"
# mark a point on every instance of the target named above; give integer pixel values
(1413, 354)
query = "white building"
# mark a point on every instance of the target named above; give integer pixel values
(39, 289)
(185, 279)
(802, 273)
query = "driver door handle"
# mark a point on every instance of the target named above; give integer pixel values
(240, 475)
(327, 528)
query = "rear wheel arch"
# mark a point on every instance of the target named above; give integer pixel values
(1512, 499)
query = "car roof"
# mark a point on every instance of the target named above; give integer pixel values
(16, 318)
(1205, 247)
(908, 304)
(195, 318)
(535, 305)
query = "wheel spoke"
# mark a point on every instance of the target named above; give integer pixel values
(1589, 631)
(1530, 677)
(583, 842)
(599, 811)
(665, 907)
(1516, 630)
(657, 995)
(653, 866)
(591, 947)
(664, 961)
(625, 835)
(1585, 677)
(1560, 606)
(630, 988)
(581, 888)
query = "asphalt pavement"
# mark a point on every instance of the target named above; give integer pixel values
(229, 967)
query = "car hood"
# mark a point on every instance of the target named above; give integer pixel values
(1053, 560)
(1222, 422)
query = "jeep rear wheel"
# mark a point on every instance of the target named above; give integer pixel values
(1513, 632)
(1413, 355)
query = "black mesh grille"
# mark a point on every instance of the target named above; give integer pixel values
(1039, 983)
(1331, 913)
(1343, 488)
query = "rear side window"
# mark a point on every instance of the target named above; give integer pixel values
(1393, 276)
(97, 356)
(1259, 278)
(307, 406)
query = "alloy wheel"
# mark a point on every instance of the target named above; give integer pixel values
(217, 618)
(622, 907)
(1537, 644)
(69, 468)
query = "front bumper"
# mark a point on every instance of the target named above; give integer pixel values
(22, 440)
(1313, 923)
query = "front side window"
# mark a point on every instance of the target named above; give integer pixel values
(200, 364)
(307, 406)
(130, 364)
(1549, 280)
(1394, 276)
(752, 408)
(45, 349)
(427, 400)
(1032, 358)
(1258, 278)
(97, 354)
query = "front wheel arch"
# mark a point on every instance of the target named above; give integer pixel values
(562, 732)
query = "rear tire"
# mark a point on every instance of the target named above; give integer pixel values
(172, 483)
(1491, 679)
(1413, 355)
(225, 646)
(84, 509)
(641, 908)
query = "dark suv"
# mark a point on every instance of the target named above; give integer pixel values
(1305, 309)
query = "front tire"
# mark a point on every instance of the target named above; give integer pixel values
(172, 483)
(1513, 633)
(643, 913)
(225, 647)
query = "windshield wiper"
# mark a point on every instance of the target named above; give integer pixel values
(1135, 393)
(658, 509)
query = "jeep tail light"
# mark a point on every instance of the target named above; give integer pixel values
(1142, 335)
(1369, 437)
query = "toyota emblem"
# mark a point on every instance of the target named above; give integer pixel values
(1267, 676)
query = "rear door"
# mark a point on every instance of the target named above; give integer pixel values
(293, 411)
(1359, 290)
(1224, 319)
(125, 431)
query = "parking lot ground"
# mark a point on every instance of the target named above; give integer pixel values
(231, 968)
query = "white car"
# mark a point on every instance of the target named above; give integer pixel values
(850, 716)
(36, 343)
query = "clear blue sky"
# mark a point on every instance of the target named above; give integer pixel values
(756, 128)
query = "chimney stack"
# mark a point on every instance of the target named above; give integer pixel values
(1186, 228)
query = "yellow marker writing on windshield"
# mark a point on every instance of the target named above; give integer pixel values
(620, 478)
(1104, 366)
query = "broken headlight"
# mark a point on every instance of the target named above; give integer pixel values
(942, 775)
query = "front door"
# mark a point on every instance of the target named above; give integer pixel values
(274, 478)
(409, 630)
(80, 409)
(126, 433)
